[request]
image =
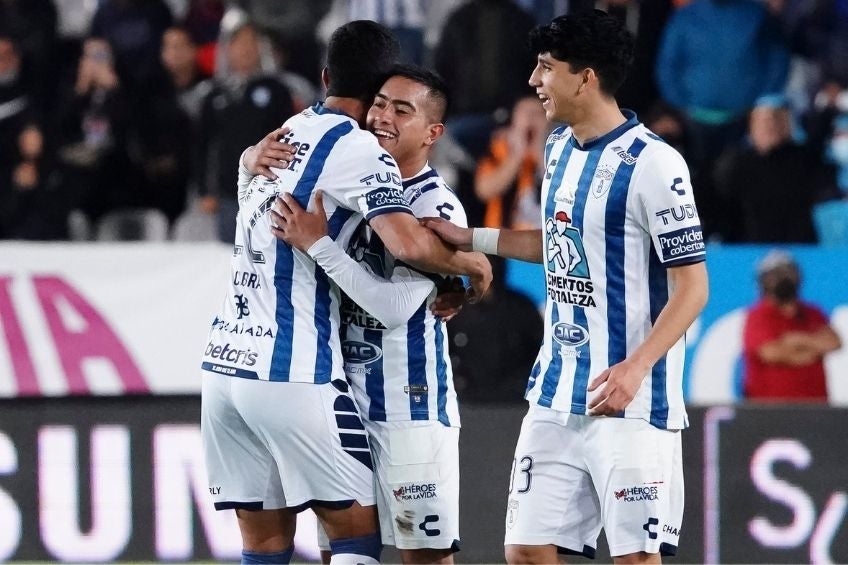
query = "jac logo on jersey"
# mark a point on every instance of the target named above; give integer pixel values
(381, 178)
(570, 335)
(678, 213)
(360, 353)
(383, 197)
(678, 244)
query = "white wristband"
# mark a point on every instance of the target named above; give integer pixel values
(485, 240)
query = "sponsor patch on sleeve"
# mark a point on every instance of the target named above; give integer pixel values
(383, 198)
(681, 244)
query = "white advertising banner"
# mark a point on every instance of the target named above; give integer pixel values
(105, 319)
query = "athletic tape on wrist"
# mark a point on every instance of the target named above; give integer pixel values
(485, 240)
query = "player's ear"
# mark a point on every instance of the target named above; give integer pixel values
(587, 76)
(435, 131)
(325, 78)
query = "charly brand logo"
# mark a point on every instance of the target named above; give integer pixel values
(570, 334)
(360, 352)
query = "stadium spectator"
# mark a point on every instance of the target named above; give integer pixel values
(246, 97)
(645, 20)
(179, 60)
(785, 338)
(32, 24)
(771, 183)
(508, 177)
(716, 58)
(291, 26)
(483, 57)
(93, 120)
(622, 276)
(134, 29)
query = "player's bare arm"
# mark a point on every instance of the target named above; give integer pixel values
(412, 243)
(525, 245)
(622, 380)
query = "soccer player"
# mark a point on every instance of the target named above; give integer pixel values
(396, 354)
(281, 431)
(625, 275)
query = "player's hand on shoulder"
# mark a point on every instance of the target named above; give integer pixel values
(294, 225)
(269, 152)
(449, 232)
(620, 383)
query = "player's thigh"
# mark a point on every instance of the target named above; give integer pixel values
(417, 475)
(242, 472)
(551, 497)
(315, 435)
(638, 472)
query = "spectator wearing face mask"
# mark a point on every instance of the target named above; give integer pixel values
(785, 338)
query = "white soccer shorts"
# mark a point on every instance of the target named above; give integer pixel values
(416, 467)
(283, 445)
(573, 474)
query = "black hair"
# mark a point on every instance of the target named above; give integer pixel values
(591, 39)
(437, 88)
(359, 55)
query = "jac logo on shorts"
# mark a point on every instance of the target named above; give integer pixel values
(570, 335)
(415, 492)
(682, 243)
(637, 493)
(384, 197)
(360, 353)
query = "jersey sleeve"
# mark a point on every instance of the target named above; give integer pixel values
(667, 208)
(363, 177)
(392, 302)
(441, 202)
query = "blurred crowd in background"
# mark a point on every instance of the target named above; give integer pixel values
(110, 108)
(124, 119)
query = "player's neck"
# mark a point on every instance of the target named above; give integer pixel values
(410, 167)
(349, 106)
(597, 120)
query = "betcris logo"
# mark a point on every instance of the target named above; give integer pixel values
(360, 353)
(682, 243)
(382, 197)
(570, 335)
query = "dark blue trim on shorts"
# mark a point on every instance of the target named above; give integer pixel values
(330, 504)
(233, 504)
(668, 549)
(354, 440)
(588, 551)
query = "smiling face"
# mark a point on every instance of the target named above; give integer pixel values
(403, 117)
(558, 87)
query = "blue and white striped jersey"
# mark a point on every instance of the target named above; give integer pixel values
(280, 318)
(402, 373)
(617, 213)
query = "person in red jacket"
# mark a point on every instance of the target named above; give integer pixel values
(785, 338)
